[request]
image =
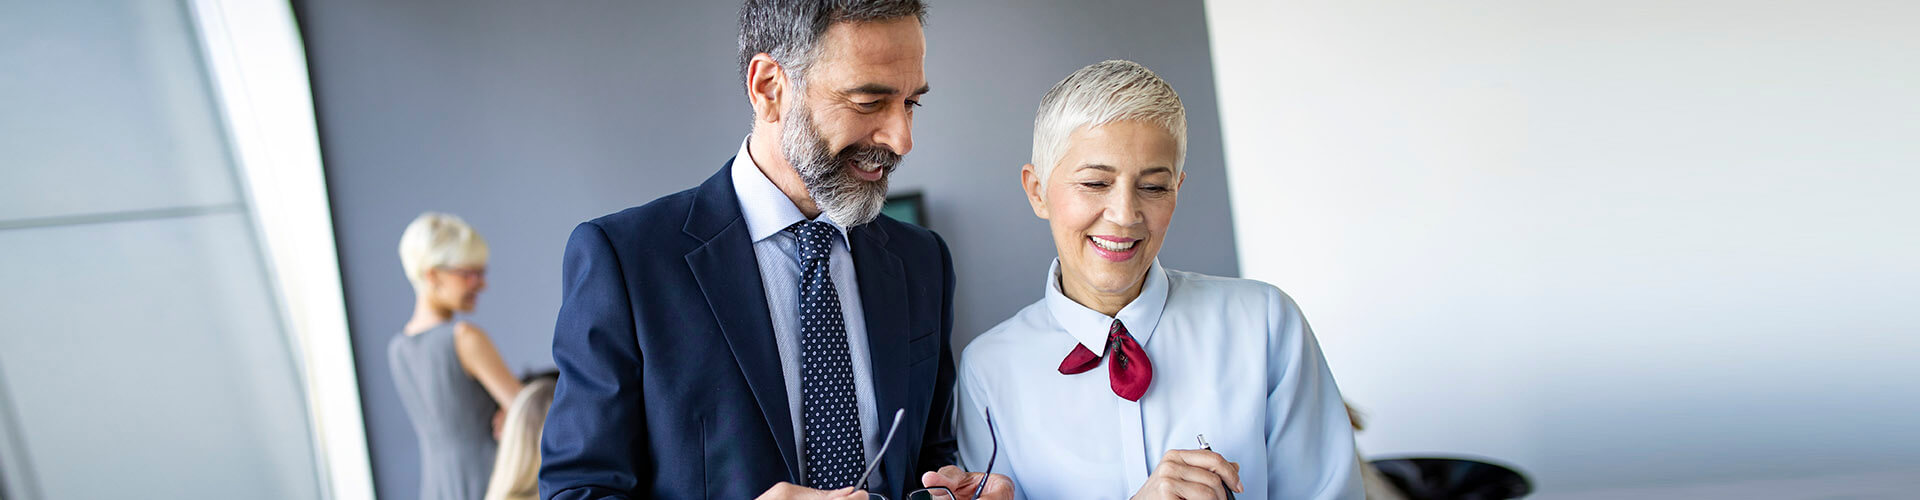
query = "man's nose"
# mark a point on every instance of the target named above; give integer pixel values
(897, 132)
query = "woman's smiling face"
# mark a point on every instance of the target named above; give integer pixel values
(1108, 201)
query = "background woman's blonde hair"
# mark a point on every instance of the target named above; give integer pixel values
(516, 469)
(435, 239)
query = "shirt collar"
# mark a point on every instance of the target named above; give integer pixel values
(1090, 327)
(766, 208)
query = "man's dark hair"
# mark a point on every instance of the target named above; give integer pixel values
(790, 30)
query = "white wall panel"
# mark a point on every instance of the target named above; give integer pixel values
(1618, 243)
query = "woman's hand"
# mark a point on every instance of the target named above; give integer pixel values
(499, 422)
(1191, 475)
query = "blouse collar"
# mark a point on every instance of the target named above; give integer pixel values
(1090, 327)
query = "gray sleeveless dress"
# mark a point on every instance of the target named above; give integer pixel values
(452, 414)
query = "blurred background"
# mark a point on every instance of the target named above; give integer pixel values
(1634, 249)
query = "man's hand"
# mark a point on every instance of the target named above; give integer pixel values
(963, 483)
(790, 491)
(1191, 475)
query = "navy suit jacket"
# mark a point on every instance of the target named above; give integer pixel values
(670, 382)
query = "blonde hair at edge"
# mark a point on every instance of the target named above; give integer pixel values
(1103, 93)
(435, 240)
(516, 470)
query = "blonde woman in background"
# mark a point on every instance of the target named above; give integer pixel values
(448, 373)
(516, 471)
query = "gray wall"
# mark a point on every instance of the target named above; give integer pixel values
(527, 118)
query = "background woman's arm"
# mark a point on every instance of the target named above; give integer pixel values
(482, 361)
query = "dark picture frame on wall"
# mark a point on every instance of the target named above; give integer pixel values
(909, 207)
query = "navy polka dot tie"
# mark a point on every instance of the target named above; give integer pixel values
(832, 427)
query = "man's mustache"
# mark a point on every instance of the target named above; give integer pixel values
(869, 155)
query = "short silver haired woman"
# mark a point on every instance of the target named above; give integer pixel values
(1118, 380)
(448, 373)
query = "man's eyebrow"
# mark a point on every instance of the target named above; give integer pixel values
(884, 90)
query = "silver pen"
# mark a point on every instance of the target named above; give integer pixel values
(1204, 446)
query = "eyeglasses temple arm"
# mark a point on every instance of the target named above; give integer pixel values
(875, 462)
(988, 474)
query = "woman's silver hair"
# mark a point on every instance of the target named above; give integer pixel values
(1100, 94)
(790, 30)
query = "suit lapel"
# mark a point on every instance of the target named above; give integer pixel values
(883, 296)
(728, 276)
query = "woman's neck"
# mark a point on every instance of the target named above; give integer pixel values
(426, 315)
(1109, 304)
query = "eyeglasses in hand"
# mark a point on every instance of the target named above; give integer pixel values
(934, 493)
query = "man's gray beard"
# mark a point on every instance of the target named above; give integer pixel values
(846, 199)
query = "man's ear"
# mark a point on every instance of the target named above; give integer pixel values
(1036, 189)
(767, 86)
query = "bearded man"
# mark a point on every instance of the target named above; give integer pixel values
(757, 334)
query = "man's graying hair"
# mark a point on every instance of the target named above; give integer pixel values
(790, 30)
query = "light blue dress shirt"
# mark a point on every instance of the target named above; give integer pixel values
(768, 213)
(1233, 359)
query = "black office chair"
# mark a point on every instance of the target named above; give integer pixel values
(1453, 479)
